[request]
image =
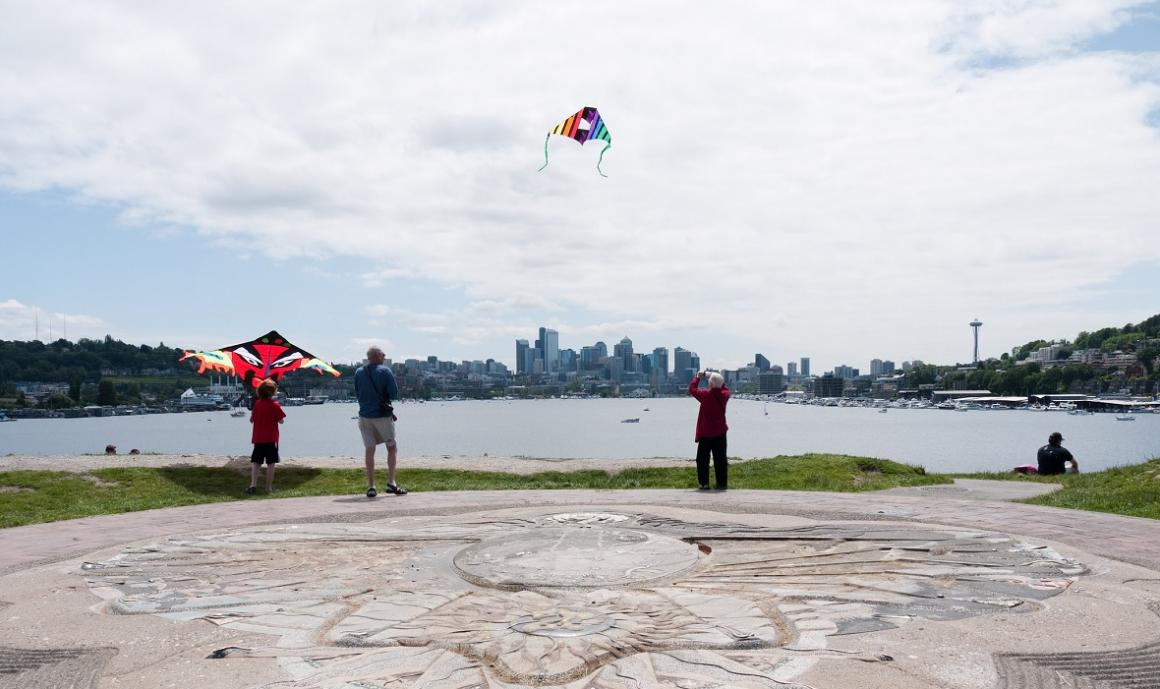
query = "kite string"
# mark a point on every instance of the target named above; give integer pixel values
(548, 136)
(598, 160)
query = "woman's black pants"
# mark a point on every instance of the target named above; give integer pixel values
(716, 446)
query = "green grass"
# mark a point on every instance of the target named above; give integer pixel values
(1129, 490)
(31, 497)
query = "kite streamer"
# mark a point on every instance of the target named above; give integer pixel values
(586, 125)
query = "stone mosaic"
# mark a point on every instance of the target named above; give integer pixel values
(576, 599)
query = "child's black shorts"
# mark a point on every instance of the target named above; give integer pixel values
(265, 451)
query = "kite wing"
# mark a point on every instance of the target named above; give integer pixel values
(269, 356)
(216, 361)
(584, 126)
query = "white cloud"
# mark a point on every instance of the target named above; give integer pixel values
(803, 177)
(20, 321)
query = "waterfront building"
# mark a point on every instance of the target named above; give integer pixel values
(792, 369)
(845, 372)
(806, 366)
(876, 367)
(770, 382)
(829, 385)
(761, 362)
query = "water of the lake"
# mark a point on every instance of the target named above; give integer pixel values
(941, 441)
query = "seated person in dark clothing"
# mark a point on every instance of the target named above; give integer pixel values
(1052, 457)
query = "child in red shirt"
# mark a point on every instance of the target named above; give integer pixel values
(266, 415)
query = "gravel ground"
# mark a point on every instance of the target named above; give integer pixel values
(515, 465)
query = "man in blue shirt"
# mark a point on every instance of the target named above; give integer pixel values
(375, 387)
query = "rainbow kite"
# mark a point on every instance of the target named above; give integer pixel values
(584, 126)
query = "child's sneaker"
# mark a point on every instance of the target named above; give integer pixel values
(371, 492)
(397, 490)
(251, 490)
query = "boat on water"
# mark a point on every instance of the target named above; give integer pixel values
(633, 420)
(5, 417)
(1081, 412)
(238, 413)
(883, 410)
(1125, 417)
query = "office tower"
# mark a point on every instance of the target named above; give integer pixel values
(875, 367)
(805, 366)
(888, 368)
(792, 368)
(522, 360)
(760, 362)
(694, 363)
(623, 351)
(549, 346)
(682, 365)
(661, 362)
(568, 360)
(589, 358)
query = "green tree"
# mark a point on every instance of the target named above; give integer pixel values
(58, 401)
(1147, 357)
(106, 393)
(922, 374)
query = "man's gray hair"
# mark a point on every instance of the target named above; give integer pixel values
(374, 349)
(716, 380)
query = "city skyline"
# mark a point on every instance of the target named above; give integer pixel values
(850, 183)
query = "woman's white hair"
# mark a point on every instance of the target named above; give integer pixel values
(716, 380)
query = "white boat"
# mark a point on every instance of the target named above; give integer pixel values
(1081, 412)
(238, 413)
(883, 410)
(5, 417)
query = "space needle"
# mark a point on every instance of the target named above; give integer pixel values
(975, 325)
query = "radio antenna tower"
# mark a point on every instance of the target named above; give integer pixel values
(975, 325)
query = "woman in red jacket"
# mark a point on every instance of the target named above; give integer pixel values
(711, 428)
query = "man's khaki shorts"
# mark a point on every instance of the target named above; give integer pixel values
(375, 431)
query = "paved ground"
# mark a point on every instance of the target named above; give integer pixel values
(586, 589)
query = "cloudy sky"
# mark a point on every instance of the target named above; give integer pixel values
(842, 180)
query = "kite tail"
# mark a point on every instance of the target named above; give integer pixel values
(546, 151)
(601, 158)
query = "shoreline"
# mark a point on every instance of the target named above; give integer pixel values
(513, 465)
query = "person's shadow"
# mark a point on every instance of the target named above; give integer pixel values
(227, 482)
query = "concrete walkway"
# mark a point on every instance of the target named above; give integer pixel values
(667, 589)
(1127, 539)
